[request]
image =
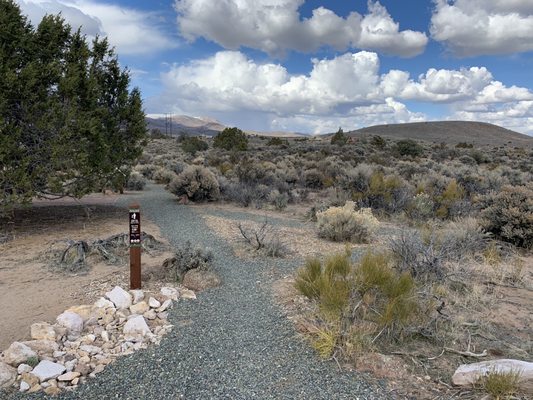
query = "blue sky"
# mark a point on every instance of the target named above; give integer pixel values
(313, 66)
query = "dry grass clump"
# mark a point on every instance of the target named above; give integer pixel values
(500, 384)
(346, 224)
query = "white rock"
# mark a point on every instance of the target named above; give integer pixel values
(153, 302)
(24, 387)
(469, 374)
(84, 311)
(136, 326)
(165, 306)
(67, 377)
(46, 370)
(105, 336)
(70, 365)
(138, 295)
(90, 349)
(72, 321)
(22, 368)
(42, 330)
(170, 292)
(18, 353)
(103, 303)
(188, 294)
(8, 374)
(150, 314)
(120, 298)
(139, 308)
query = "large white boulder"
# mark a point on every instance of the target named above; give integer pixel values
(46, 370)
(72, 321)
(18, 353)
(120, 298)
(469, 374)
(8, 374)
(103, 303)
(136, 326)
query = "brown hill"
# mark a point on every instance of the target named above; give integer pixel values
(450, 132)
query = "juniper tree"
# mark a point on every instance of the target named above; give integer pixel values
(69, 124)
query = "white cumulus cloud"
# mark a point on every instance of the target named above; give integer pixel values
(131, 31)
(275, 26)
(347, 91)
(477, 27)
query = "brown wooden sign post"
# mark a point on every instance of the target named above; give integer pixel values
(135, 246)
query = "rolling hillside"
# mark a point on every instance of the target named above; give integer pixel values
(450, 132)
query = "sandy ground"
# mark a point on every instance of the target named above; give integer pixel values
(30, 291)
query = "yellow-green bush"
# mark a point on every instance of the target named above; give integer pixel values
(358, 301)
(346, 224)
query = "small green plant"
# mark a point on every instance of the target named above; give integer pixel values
(32, 361)
(500, 384)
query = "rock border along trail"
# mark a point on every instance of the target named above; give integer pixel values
(233, 342)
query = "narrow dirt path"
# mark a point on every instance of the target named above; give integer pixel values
(233, 342)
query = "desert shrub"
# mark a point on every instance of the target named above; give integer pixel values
(313, 179)
(421, 207)
(409, 147)
(278, 200)
(339, 138)
(509, 215)
(244, 194)
(136, 181)
(346, 224)
(231, 139)
(163, 175)
(146, 170)
(264, 238)
(186, 258)
(464, 145)
(192, 144)
(197, 183)
(390, 193)
(422, 257)
(276, 141)
(452, 194)
(370, 295)
(378, 141)
(356, 179)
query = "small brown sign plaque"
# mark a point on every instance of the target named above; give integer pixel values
(135, 228)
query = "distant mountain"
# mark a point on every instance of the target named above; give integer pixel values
(450, 132)
(195, 126)
(180, 124)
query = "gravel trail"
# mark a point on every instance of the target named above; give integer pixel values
(232, 342)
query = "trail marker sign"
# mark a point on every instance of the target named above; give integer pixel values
(135, 246)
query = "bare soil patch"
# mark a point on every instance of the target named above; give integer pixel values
(300, 240)
(30, 291)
